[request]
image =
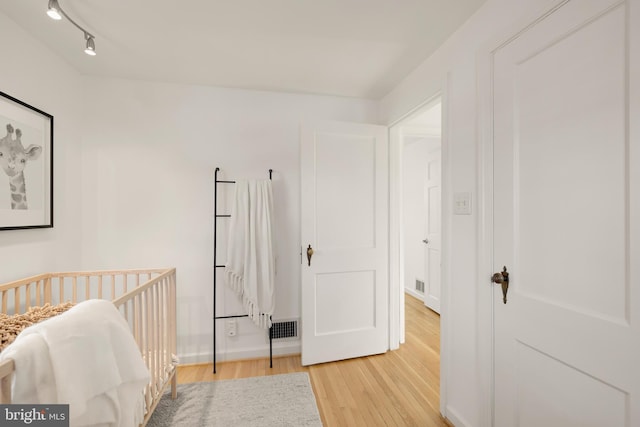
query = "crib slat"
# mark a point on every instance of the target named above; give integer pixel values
(126, 307)
(167, 321)
(173, 315)
(152, 337)
(74, 285)
(47, 289)
(161, 323)
(27, 296)
(155, 336)
(156, 333)
(39, 286)
(42, 293)
(147, 348)
(136, 320)
(61, 289)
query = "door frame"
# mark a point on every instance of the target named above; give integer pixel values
(396, 253)
(485, 300)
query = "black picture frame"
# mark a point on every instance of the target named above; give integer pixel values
(26, 165)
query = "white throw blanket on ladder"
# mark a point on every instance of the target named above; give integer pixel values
(250, 265)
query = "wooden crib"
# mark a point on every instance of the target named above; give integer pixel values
(146, 298)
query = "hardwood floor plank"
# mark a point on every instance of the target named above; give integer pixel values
(398, 388)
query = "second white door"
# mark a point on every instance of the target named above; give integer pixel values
(432, 190)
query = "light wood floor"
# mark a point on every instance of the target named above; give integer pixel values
(399, 388)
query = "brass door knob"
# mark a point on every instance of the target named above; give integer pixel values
(503, 279)
(309, 254)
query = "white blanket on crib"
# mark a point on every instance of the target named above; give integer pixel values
(85, 357)
(250, 265)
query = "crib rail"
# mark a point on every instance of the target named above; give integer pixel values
(55, 288)
(145, 297)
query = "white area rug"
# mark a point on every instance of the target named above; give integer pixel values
(275, 400)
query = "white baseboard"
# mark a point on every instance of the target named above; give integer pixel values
(192, 359)
(414, 293)
(280, 349)
(455, 419)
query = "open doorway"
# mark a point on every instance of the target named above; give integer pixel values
(419, 225)
(417, 155)
(421, 168)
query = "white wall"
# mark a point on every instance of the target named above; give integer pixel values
(149, 154)
(134, 166)
(465, 396)
(55, 89)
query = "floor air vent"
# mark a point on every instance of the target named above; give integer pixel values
(419, 286)
(286, 329)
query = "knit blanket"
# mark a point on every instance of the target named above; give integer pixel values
(12, 325)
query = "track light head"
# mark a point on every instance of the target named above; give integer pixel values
(91, 46)
(54, 10)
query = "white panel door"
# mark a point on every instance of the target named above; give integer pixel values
(566, 188)
(433, 240)
(344, 184)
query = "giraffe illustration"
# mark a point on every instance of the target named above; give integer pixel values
(13, 159)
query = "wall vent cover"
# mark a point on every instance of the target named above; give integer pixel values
(419, 286)
(284, 329)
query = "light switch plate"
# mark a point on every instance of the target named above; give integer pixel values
(462, 203)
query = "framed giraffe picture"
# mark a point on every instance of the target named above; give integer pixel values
(26, 165)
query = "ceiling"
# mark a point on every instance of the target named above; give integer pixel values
(352, 48)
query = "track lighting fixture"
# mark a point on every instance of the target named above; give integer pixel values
(55, 12)
(91, 46)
